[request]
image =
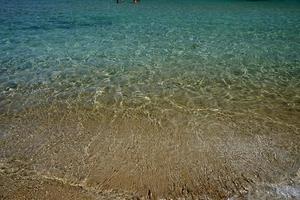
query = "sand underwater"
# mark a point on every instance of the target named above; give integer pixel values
(180, 99)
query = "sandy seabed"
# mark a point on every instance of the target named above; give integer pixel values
(62, 152)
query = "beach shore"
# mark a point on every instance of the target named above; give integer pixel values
(203, 154)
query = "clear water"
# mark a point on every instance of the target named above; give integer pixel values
(195, 84)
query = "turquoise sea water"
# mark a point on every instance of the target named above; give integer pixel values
(219, 54)
(183, 64)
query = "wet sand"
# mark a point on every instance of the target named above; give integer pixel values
(132, 153)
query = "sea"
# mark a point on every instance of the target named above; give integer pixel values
(155, 99)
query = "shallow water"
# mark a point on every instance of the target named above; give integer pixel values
(179, 98)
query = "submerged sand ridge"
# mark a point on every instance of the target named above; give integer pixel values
(171, 153)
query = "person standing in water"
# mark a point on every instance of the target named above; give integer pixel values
(134, 1)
